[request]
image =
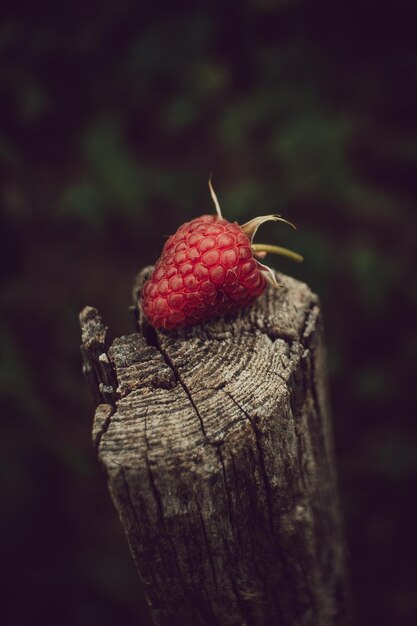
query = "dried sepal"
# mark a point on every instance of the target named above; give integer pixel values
(252, 226)
(214, 198)
(268, 273)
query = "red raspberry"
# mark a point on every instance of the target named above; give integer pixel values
(207, 268)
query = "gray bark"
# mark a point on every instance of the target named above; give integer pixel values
(217, 445)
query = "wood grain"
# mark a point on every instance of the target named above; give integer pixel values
(217, 445)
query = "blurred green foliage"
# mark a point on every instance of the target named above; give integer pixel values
(113, 115)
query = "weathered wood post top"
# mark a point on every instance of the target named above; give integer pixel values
(217, 445)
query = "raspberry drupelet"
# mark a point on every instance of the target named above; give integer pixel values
(206, 269)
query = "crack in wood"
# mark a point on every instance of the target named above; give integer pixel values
(101, 424)
(178, 376)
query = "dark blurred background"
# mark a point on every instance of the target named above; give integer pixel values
(112, 117)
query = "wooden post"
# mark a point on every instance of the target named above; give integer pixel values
(217, 445)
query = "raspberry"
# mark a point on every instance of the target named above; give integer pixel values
(206, 269)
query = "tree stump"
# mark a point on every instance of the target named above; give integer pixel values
(217, 445)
